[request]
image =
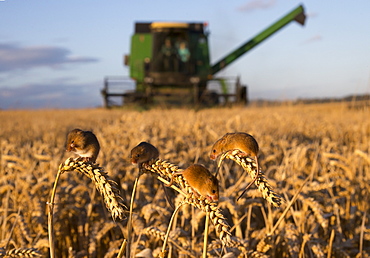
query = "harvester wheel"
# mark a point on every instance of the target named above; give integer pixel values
(210, 98)
(242, 95)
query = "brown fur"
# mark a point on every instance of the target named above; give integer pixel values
(83, 143)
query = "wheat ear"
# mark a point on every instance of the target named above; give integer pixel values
(164, 171)
(23, 252)
(106, 187)
(261, 182)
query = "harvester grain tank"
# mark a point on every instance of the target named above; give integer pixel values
(170, 61)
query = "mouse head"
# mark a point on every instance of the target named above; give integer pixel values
(75, 140)
(211, 190)
(217, 148)
(143, 153)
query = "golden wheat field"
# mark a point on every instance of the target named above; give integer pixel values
(314, 158)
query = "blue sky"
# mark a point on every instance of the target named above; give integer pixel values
(55, 54)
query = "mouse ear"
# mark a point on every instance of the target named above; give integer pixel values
(214, 180)
(86, 133)
(209, 180)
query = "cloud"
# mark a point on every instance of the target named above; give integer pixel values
(256, 4)
(58, 94)
(15, 57)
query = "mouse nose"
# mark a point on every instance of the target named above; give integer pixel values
(70, 147)
(214, 198)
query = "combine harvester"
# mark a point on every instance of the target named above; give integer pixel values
(169, 63)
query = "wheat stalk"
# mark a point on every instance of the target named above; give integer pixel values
(292, 239)
(205, 241)
(221, 226)
(166, 169)
(24, 228)
(306, 139)
(164, 251)
(104, 230)
(261, 182)
(317, 250)
(316, 208)
(129, 223)
(23, 252)
(238, 243)
(106, 187)
(264, 245)
(155, 232)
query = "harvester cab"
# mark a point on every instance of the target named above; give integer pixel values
(179, 53)
(169, 59)
(169, 62)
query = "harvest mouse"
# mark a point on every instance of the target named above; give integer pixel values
(237, 141)
(83, 143)
(200, 180)
(143, 153)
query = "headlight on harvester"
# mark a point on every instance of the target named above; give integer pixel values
(194, 80)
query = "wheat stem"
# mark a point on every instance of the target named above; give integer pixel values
(169, 228)
(129, 223)
(332, 235)
(206, 230)
(51, 215)
(362, 234)
(12, 229)
(172, 186)
(122, 249)
(288, 206)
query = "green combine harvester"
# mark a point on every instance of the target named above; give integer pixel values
(169, 62)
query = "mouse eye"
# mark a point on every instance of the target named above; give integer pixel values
(72, 141)
(137, 155)
(214, 151)
(213, 191)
